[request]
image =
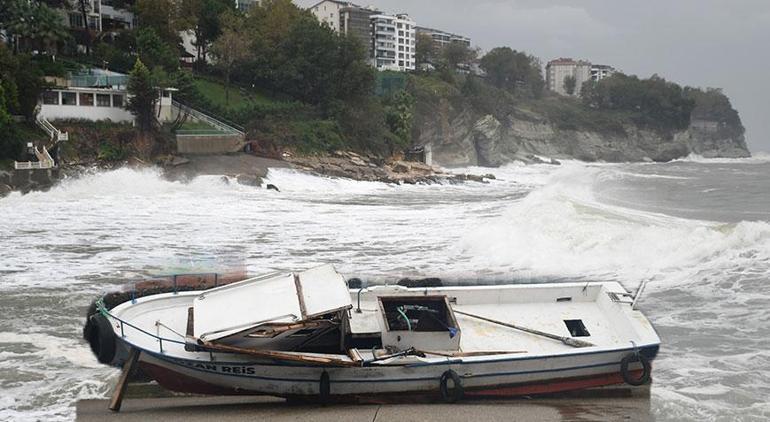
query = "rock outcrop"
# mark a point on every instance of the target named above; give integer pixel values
(351, 165)
(461, 137)
(26, 181)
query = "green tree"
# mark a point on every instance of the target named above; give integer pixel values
(232, 47)
(273, 19)
(143, 97)
(569, 84)
(10, 147)
(154, 52)
(31, 25)
(306, 61)
(162, 17)
(399, 115)
(22, 81)
(653, 102)
(457, 53)
(425, 49)
(514, 71)
(207, 26)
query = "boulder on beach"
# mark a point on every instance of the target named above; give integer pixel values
(5, 190)
(249, 180)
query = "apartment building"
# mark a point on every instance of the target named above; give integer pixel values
(393, 38)
(356, 22)
(601, 71)
(329, 11)
(557, 71)
(442, 38)
(93, 15)
(102, 15)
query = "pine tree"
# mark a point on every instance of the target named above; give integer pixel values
(143, 97)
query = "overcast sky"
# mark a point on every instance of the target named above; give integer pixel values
(705, 43)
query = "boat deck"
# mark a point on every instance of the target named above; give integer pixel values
(602, 309)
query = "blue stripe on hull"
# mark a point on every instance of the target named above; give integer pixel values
(648, 352)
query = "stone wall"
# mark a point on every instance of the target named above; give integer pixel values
(202, 145)
(27, 180)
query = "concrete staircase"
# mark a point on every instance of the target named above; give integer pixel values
(53, 133)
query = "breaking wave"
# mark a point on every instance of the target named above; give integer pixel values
(708, 289)
(561, 229)
(757, 157)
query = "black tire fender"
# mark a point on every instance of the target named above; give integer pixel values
(324, 388)
(101, 337)
(457, 391)
(646, 369)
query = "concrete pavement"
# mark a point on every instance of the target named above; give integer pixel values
(211, 409)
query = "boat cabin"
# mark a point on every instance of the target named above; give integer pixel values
(276, 311)
(419, 322)
(310, 311)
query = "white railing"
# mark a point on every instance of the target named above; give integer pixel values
(28, 165)
(228, 129)
(55, 134)
(45, 161)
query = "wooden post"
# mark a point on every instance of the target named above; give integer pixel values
(120, 387)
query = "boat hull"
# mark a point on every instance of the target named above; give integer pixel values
(492, 377)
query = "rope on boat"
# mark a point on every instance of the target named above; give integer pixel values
(406, 318)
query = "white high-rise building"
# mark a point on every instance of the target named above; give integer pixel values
(393, 40)
(557, 71)
(601, 71)
(329, 12)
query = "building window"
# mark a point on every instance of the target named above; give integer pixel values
(102, 100)
(69, 98)
(76, 20)
(51, 97)
(86, 99)
(117, 101)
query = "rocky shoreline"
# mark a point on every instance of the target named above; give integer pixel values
(249, 170)
(350, 165)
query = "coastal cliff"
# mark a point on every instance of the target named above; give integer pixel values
(463, 131)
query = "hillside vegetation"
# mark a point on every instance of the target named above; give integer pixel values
(296, 85)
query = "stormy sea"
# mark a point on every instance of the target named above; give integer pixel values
(696, 231)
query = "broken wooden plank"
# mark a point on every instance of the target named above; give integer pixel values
(284, 356)
(122, 385)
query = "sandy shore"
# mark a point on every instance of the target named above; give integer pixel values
(260, 408)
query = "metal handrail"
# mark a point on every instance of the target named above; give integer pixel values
(103, 310)
(213, 121)
(203, 132)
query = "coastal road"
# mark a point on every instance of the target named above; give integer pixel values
(190, 409)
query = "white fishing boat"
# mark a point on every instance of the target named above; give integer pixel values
(307, 335)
